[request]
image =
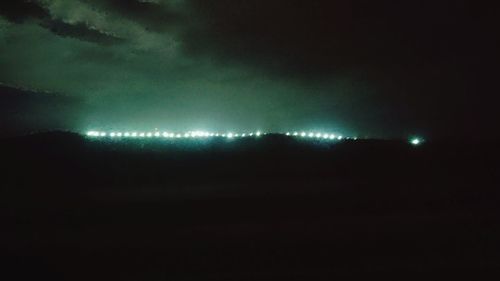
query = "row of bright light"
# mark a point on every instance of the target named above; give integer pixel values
(202, 134)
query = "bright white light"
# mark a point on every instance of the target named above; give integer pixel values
(157, 134)
(119, 134)
(244, 135)
(134, 134)
(258, 133)
(217, 134)
(295, 133)
(102, 134)
(91, 133)
(230, 135)
(310, 135)
(112, 134)
(416, 141)
(186, 135)
(287, 133)
(325, 136)
(149, 135)
(318, 135)
(251, 134)
(127, 134)
(303, 134)
(332, 137)
(340, 137)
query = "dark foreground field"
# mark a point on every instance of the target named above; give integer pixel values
(262, 209)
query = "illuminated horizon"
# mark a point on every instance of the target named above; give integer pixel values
(156, 134)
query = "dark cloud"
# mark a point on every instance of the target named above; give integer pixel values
(325, 36)
(159, 17)
(32, 111)
(22, 11)
(80, 31)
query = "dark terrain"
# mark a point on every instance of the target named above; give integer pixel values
(272, 208)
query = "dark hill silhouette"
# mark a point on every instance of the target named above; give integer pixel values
(272, 208)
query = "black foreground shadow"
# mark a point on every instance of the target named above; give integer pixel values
(272, 208)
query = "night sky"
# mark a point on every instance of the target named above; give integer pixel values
(386, 68)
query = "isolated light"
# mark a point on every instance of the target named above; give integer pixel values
(287, 133)
(340, 137)
(310, 135)
(258, 133)
(303, 134)
(243, 135)
(251, 134)
(332, 136)
(416, 141)
(217, 134)
(295, 133)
